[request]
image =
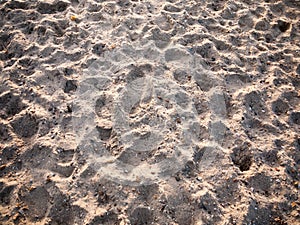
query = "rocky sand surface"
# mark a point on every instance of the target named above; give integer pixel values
(150, 112)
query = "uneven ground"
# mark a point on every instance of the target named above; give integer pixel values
(149, 112)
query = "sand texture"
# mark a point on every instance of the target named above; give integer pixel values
(150, 112)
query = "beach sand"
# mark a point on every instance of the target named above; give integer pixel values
(150, 112)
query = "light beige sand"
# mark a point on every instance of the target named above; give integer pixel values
(149, 112)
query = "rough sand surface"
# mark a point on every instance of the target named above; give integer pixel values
(149, 112)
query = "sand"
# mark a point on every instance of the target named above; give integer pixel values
(149, 112)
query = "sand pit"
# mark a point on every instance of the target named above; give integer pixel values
(149, 112)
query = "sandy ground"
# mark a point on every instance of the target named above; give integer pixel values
(149, 112)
